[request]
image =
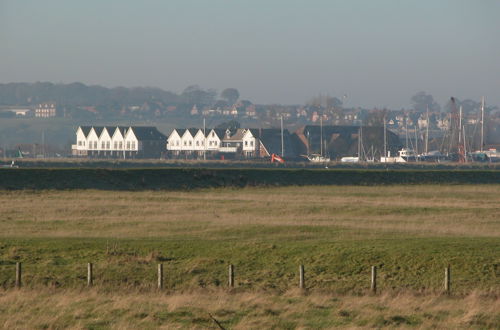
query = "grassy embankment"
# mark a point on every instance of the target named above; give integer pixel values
(410, 232)
(191, 178)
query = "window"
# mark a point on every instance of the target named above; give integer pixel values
(246, 143)
(133, 145)
(107, 145)
(121, 145)
(79, 143)
(190, 143)
(95, 144)
(177, 142)
(115, 145)
(213, 134)
(197, 143)
(128, 144)
(103, 145)
(185, 143)
(251, 143)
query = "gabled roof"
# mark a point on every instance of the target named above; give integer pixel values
(147, 133)
(193, 131)
(98, 130)
(271, 139)
(121, 129)
(220, 132)
(237, 136)
(86, 130)
(180, 131)
(109, 129)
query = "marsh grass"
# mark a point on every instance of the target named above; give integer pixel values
(94, 309)
(410, 232)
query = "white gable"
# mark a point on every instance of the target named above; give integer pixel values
(81, 139)
(174, 141)
(104, 142)
(199, 140)
(92, 140)
(187, 141)
(131, 142)
(117, 140)
(213, 140)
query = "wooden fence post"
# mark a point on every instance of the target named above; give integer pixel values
(374, 279)
(160, 276)
(231, 276)
(302, 283)
(447, 280)
(18, 275)
(90, 278)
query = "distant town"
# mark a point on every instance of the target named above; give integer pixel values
(50, 115)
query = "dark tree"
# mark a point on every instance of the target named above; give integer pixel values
(231, 95)
(195, 95)
(422, 100)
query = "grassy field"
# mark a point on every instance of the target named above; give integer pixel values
(337, 232)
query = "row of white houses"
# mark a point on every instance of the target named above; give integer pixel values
(196, 142)
(119, 142)
(148, 142)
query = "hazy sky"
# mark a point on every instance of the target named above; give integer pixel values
(379, 53)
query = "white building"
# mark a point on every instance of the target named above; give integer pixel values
(118, 142)
(45, 110)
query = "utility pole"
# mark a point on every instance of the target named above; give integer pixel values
(385, 136)
(321, 135)
(416, 139)
(282, 142)
(427, 133)
(204, 140)
(406, 130)
(482, 124)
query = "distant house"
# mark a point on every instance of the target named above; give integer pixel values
(194, 111)
(263, 142)
(174, 145)
(214, 139)
(118, 142)
(45, 110)
(104, 142)
(81, 147)
(187, 140)
(240, 143)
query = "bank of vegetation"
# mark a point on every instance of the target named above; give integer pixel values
(191, 178)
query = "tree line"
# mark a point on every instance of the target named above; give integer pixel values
(78, 94)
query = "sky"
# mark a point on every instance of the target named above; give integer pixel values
(378, 53)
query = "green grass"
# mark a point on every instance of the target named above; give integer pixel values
(340, 266)
(338, 233)
(410, 232)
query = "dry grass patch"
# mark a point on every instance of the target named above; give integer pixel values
(128, 310)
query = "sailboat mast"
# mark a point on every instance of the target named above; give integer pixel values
(282, 143)
(482, 124)
(427, 133)
(406, 131)
(321, 136)
(465, 147)
(416, 139)
(460, 125)
(385, 137)
(204, 141)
